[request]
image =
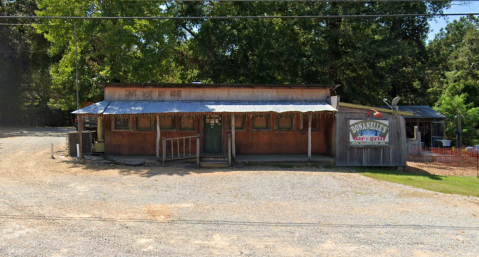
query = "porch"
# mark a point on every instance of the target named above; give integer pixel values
(240, 159)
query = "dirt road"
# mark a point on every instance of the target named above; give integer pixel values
(64, 207)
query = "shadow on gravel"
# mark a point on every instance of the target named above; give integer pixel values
(6, 132)
(386, 171)
(236, 223)
(179, 168)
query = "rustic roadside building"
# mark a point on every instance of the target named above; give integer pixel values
(176, 121)
(165, 120)
(370, 136)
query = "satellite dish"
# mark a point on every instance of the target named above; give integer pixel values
(395, 102)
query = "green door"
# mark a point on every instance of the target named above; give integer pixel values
(212, 133)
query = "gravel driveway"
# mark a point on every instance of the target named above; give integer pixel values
(64, 207)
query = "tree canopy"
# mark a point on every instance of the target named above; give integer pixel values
(371, 58)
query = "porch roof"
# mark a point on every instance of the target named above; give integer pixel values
(150, 107)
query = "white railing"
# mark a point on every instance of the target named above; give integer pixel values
(181, 148)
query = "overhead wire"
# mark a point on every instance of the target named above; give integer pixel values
(234, 17)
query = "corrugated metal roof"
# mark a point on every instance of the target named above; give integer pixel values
(421, 111)
(145, 107)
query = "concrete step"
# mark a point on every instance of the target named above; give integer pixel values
(213, 159)
(214, 164)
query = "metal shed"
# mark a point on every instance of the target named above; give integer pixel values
(429, 122)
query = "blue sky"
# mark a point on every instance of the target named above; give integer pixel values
(457, 7)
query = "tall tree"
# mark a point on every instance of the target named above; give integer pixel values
(128, 51)
(24, 78)
(454, 76)
(380, 57)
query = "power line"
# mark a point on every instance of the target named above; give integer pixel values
(20, 51)
(236, 17)
(347, 1)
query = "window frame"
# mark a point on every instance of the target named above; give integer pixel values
(152, 127)
(113, 124)
(173, 123)
(242, 117)
(293, 122)
(187, 129)
(268, 123)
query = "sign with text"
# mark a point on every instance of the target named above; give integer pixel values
(369, 132)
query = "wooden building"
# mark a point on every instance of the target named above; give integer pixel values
(370, 136)
(144, 119)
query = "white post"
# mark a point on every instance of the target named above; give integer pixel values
(229, 150)
(158, 136)
(198, 150)
(233, 144)
(309, 136)
(78, 150)
(52, 152)
(80, 136)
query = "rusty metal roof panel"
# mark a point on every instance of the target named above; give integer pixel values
(96, 108)
(421, 111)
(148, 107)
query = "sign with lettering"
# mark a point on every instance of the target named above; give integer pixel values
(369, 132)
(147, 94)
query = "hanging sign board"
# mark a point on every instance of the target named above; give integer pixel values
(369, 132)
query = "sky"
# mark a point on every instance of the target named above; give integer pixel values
(457, 7)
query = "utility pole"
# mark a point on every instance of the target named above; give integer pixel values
(76, 66)
(459, 131)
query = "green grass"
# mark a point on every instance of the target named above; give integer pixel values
(445, 184)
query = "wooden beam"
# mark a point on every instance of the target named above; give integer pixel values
(233, 132)
(229, 150)
(158, 137)
(309, 136)
(198, 150)
(300, 120)
(80, 135)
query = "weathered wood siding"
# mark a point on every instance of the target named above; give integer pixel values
(136, 143)
(392, 155)
(274, 141)
(216, 94)
(248, 141)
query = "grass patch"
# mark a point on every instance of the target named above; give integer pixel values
(468, 186)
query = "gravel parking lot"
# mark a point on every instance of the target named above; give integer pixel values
(66, 207)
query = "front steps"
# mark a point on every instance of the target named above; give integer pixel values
(214, 164)
(214, 161)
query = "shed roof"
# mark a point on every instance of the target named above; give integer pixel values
(150, 107)
(376, 108)
(421, 111)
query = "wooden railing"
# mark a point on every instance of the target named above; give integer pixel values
(181, 149)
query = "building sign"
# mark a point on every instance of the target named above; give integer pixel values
(369, 132)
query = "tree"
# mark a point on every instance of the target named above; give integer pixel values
(452, 103)
(370, 58)
(24, 78)
(454, 75)
(127, 51)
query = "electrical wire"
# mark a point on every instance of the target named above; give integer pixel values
(354, 16)
(346, 1)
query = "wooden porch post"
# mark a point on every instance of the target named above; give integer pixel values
(80, 135)
(158, 137)
(233, 144)
(101, 129)
(310, 117)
